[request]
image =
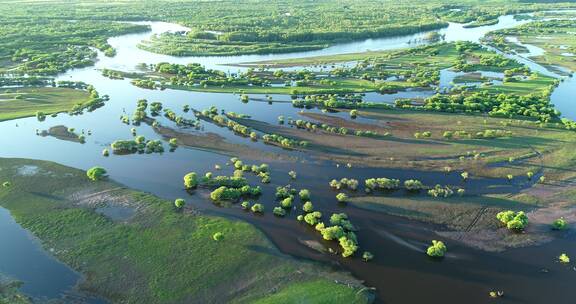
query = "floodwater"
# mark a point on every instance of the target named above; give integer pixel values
(401, 272)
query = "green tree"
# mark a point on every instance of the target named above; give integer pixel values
(308, 207)
(179, 203)
(190, 180)
(218, 236)
(559, 224)
(341, 197)
(96, 173)
(257, 208)
(438, 249)
(304, 194)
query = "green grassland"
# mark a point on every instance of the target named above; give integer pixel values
(157, 255)
(25, 102)
(556, 38)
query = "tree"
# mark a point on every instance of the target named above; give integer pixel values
(332, 233)
(105, 152)
(564, 258)
(353, 113)
(96, 173)
(438, 249)
(190, 180)
(286, 203)
(6, 184)
(179, 203)
(304, 194)
(312, 218)
(173, 142)
(257, 208)
(559, 224)
(245, 205)
(348, 245)
(341, 197)
(218, 236)
(413, 185)
(292, 174)
(279, 211)
(513, 221)
(308, 207)
(367, 256)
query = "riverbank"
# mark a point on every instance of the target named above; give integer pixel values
(153, 253)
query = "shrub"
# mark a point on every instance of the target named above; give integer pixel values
(286, 203)
(413, 185)
(382, 183)
(245, 205)
(438, 249)
(308, 207)
(353, 113)
(513, 221)
(341, 219)
(348, 245)
(279, 211)
(105, 152)
(304, 194)
(292, 174)
(179, 203)
(564, 258)
(96, 173)
(257, 208)
(190, 180)
(218, 236)
(332, 233)
(559, 224)
(6, 184)
(341, 197)
(367, 256)
(312, 218)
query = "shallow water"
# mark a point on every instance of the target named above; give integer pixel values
(400, 266)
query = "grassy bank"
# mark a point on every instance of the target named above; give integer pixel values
(25, 102)
(156, 255)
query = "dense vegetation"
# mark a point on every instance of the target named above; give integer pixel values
(46, 46)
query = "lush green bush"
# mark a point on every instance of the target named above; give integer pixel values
(190, 180)
(308, 207)
(559, 224)
(257, 208)
(179, 203)
(218, 236)
(341, 197)
(96, 173)
(513, 220)
(438, 249)
(279, 211)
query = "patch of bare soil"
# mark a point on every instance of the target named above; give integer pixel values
(217, 143)
(62, 133)
(493, 237)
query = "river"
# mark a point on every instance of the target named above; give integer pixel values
(401, 273)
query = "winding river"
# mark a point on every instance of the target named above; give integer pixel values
(399, 273)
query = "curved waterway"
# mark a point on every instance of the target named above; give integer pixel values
(401, 273)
